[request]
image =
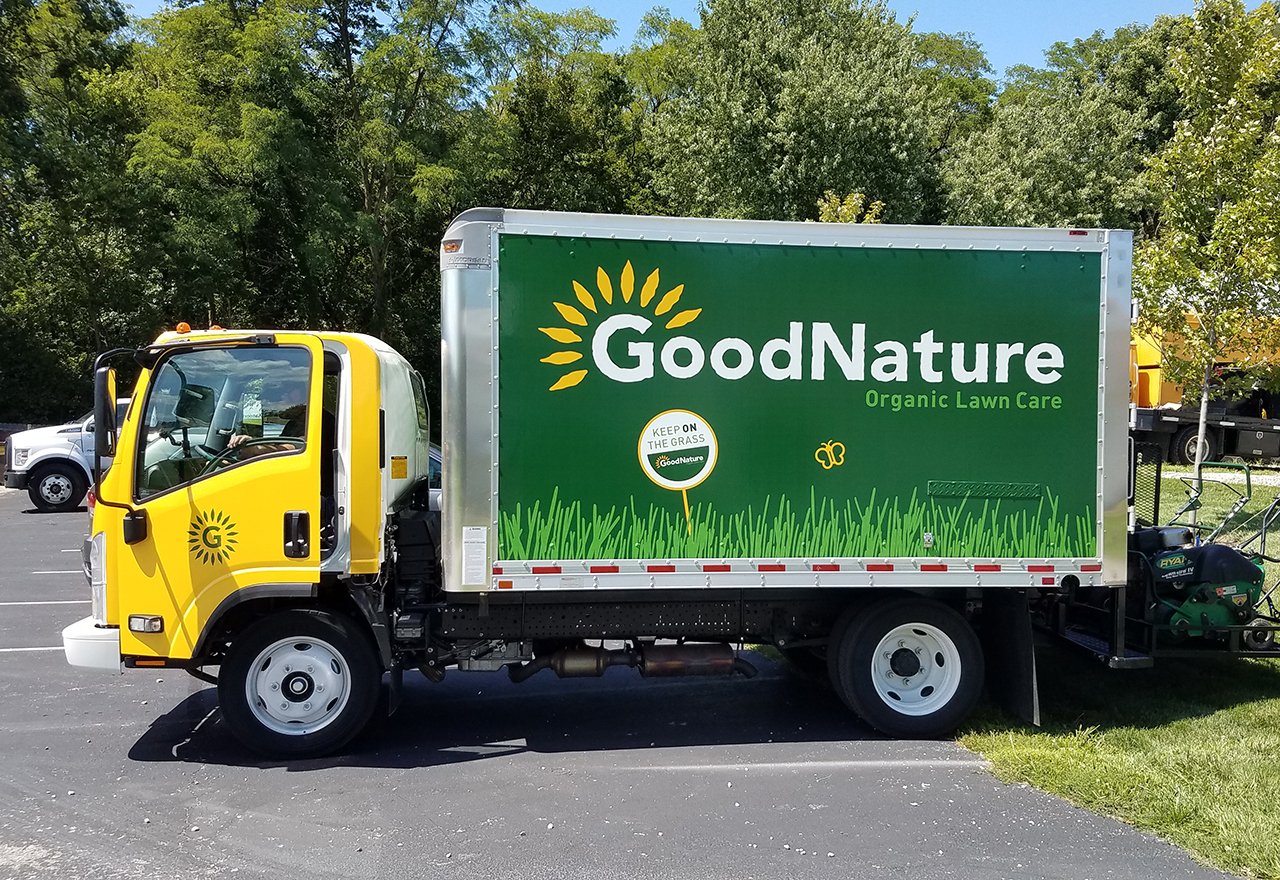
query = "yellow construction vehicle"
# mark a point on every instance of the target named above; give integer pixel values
(1240, 425)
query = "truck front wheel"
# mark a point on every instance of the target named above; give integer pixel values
(909, 667)
(299, 684)
(57, 487)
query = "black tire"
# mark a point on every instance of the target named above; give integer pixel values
(1183, 448)
(57, 487)
(927, 703)
(319, 638)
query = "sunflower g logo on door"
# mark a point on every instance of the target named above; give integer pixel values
(829, 454)
(212, 537)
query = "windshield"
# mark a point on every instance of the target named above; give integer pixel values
(213, 408)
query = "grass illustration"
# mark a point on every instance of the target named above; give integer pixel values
(556, 529)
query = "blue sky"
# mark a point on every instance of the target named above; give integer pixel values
(1011, 31)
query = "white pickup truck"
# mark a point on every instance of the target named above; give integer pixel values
(55, 464)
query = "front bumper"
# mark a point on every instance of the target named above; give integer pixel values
(90, 646)
(16, 481)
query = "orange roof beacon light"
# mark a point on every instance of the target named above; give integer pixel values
(183, 327)
(215, 326)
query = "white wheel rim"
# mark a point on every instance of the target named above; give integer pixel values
(1192, 448)
(916, 669)
(55, 488)
(298, 686)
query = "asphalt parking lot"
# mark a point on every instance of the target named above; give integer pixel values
(129, 776)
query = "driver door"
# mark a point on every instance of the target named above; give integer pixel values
(232, 502)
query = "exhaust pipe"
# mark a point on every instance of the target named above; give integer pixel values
(662, 661)
(573, 663)
(653, 661)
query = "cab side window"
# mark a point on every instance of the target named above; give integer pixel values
(420, 402)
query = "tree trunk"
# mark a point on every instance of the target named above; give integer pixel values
(1201, 446)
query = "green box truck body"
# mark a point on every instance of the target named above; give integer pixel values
(864, 445)
(640, 403)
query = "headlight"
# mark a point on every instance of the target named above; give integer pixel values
(98, 576)
(20, 458)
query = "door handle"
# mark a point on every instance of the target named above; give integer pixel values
(297, 534)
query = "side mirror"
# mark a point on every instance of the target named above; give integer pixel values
(104, 416)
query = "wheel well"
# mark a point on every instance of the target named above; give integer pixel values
(36, 466)
(238, 611)
(957, 598)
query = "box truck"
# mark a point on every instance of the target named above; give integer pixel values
(662, 439)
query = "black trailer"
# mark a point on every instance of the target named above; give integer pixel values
(1233, 429)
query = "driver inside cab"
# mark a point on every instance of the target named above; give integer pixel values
(285, 405)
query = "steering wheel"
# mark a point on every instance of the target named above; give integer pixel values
(224, 457)
(208, 453)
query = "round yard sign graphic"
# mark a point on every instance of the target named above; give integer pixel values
(677, 449)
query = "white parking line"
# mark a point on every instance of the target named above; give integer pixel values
(77, 550)
(48, 602)
(12, 650)
(62, 571)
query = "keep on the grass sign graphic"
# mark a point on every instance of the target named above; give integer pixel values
(860, 398)
(677, 451)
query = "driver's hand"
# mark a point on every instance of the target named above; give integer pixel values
(236, 440)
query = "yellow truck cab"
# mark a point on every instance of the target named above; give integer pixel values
(255, 472)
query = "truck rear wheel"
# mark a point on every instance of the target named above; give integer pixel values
(299, 684)
(909, 667)
(1183, 448)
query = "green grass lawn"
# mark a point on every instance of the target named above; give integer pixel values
(1188, 750)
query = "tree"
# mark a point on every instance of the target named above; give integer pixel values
(789, 99)
(237, 149)
(555, 136)
(853, 208)
(1209, 277)
(1052, 159)
(956, 72)
(1066, 144)
(72, 227)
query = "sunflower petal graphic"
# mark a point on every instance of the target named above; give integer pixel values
(561, 334)
(570, 314)
(683, 318)
(628, 282)
(649, 289)
(584, 296)
(568, 380)
(605, 285)
(562, 357)
(669, 299)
